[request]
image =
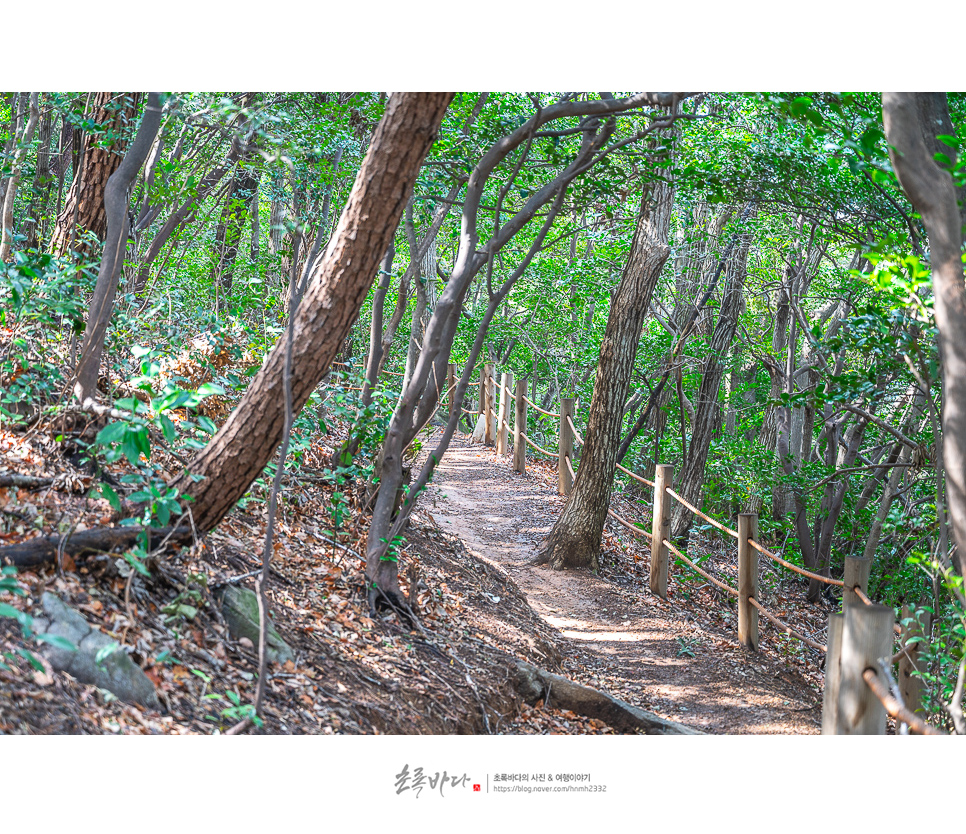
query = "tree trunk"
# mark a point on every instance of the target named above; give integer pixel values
(116, 201)
(84, 207)
(10, 196)
(43, 180)
(574, 541)
(930, 189)
(706, 406)
(228, 234)
(338, 286)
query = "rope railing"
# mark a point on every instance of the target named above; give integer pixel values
(862, 596)
(700, 514)
(573, 428)
(532, 404)
(529, 442)
(796, 568)
(628, 524)
(694, 567)
(894, 708)
(635, 476)
(785, 626)
(748, 565)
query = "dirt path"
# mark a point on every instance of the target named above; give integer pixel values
(624, 639)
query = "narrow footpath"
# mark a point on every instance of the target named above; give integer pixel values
(619, 637)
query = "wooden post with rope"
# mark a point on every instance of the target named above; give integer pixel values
(451, 388)
(866, 636)
(856, 574)
(830, 697)
(504, 413)
(747, 581)
(913, 632)
(520, 428)
(565, 446)
(660, 529)
(489, 393)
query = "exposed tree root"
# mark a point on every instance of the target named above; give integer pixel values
(44, 549)
(533, 683)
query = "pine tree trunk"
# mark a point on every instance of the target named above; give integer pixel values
(574, 541)
(339, 284)
(85, 200)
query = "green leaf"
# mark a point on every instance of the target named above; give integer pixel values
(128, 404)
(176, 399)
(111, 433)
(209, 389)
(110, 496)
(105, 652)
(131, 449)
(57, 642)
(29, 657)
(206, 425)
(167, 428)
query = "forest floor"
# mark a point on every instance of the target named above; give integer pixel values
(480, 606)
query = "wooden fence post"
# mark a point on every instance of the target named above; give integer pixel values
(830, 697)
(451, 388)
(856, 573)
(867, 633)
(482, 390)
(910, 686)
(747, 581)
(504, 413)
(488, 403)
(660, 529)
(519, 428)
(565, 446)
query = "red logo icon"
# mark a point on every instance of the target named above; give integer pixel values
(476, 787)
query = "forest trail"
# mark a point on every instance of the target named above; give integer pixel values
(626, 641)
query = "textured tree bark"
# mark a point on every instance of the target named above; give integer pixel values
(337, 288)
(574, 541)
(10, 195)
(116, 201)
(930, 189)
(85, 198)
(706, 406)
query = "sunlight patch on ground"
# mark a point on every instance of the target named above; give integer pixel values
(608, 636)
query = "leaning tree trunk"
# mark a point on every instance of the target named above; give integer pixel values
(339, 284)
(574, 541)
(930, 189)
(706, 406)
(84, 209)
(117, 203)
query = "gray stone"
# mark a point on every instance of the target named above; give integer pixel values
(239, 607)
(117, 672)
